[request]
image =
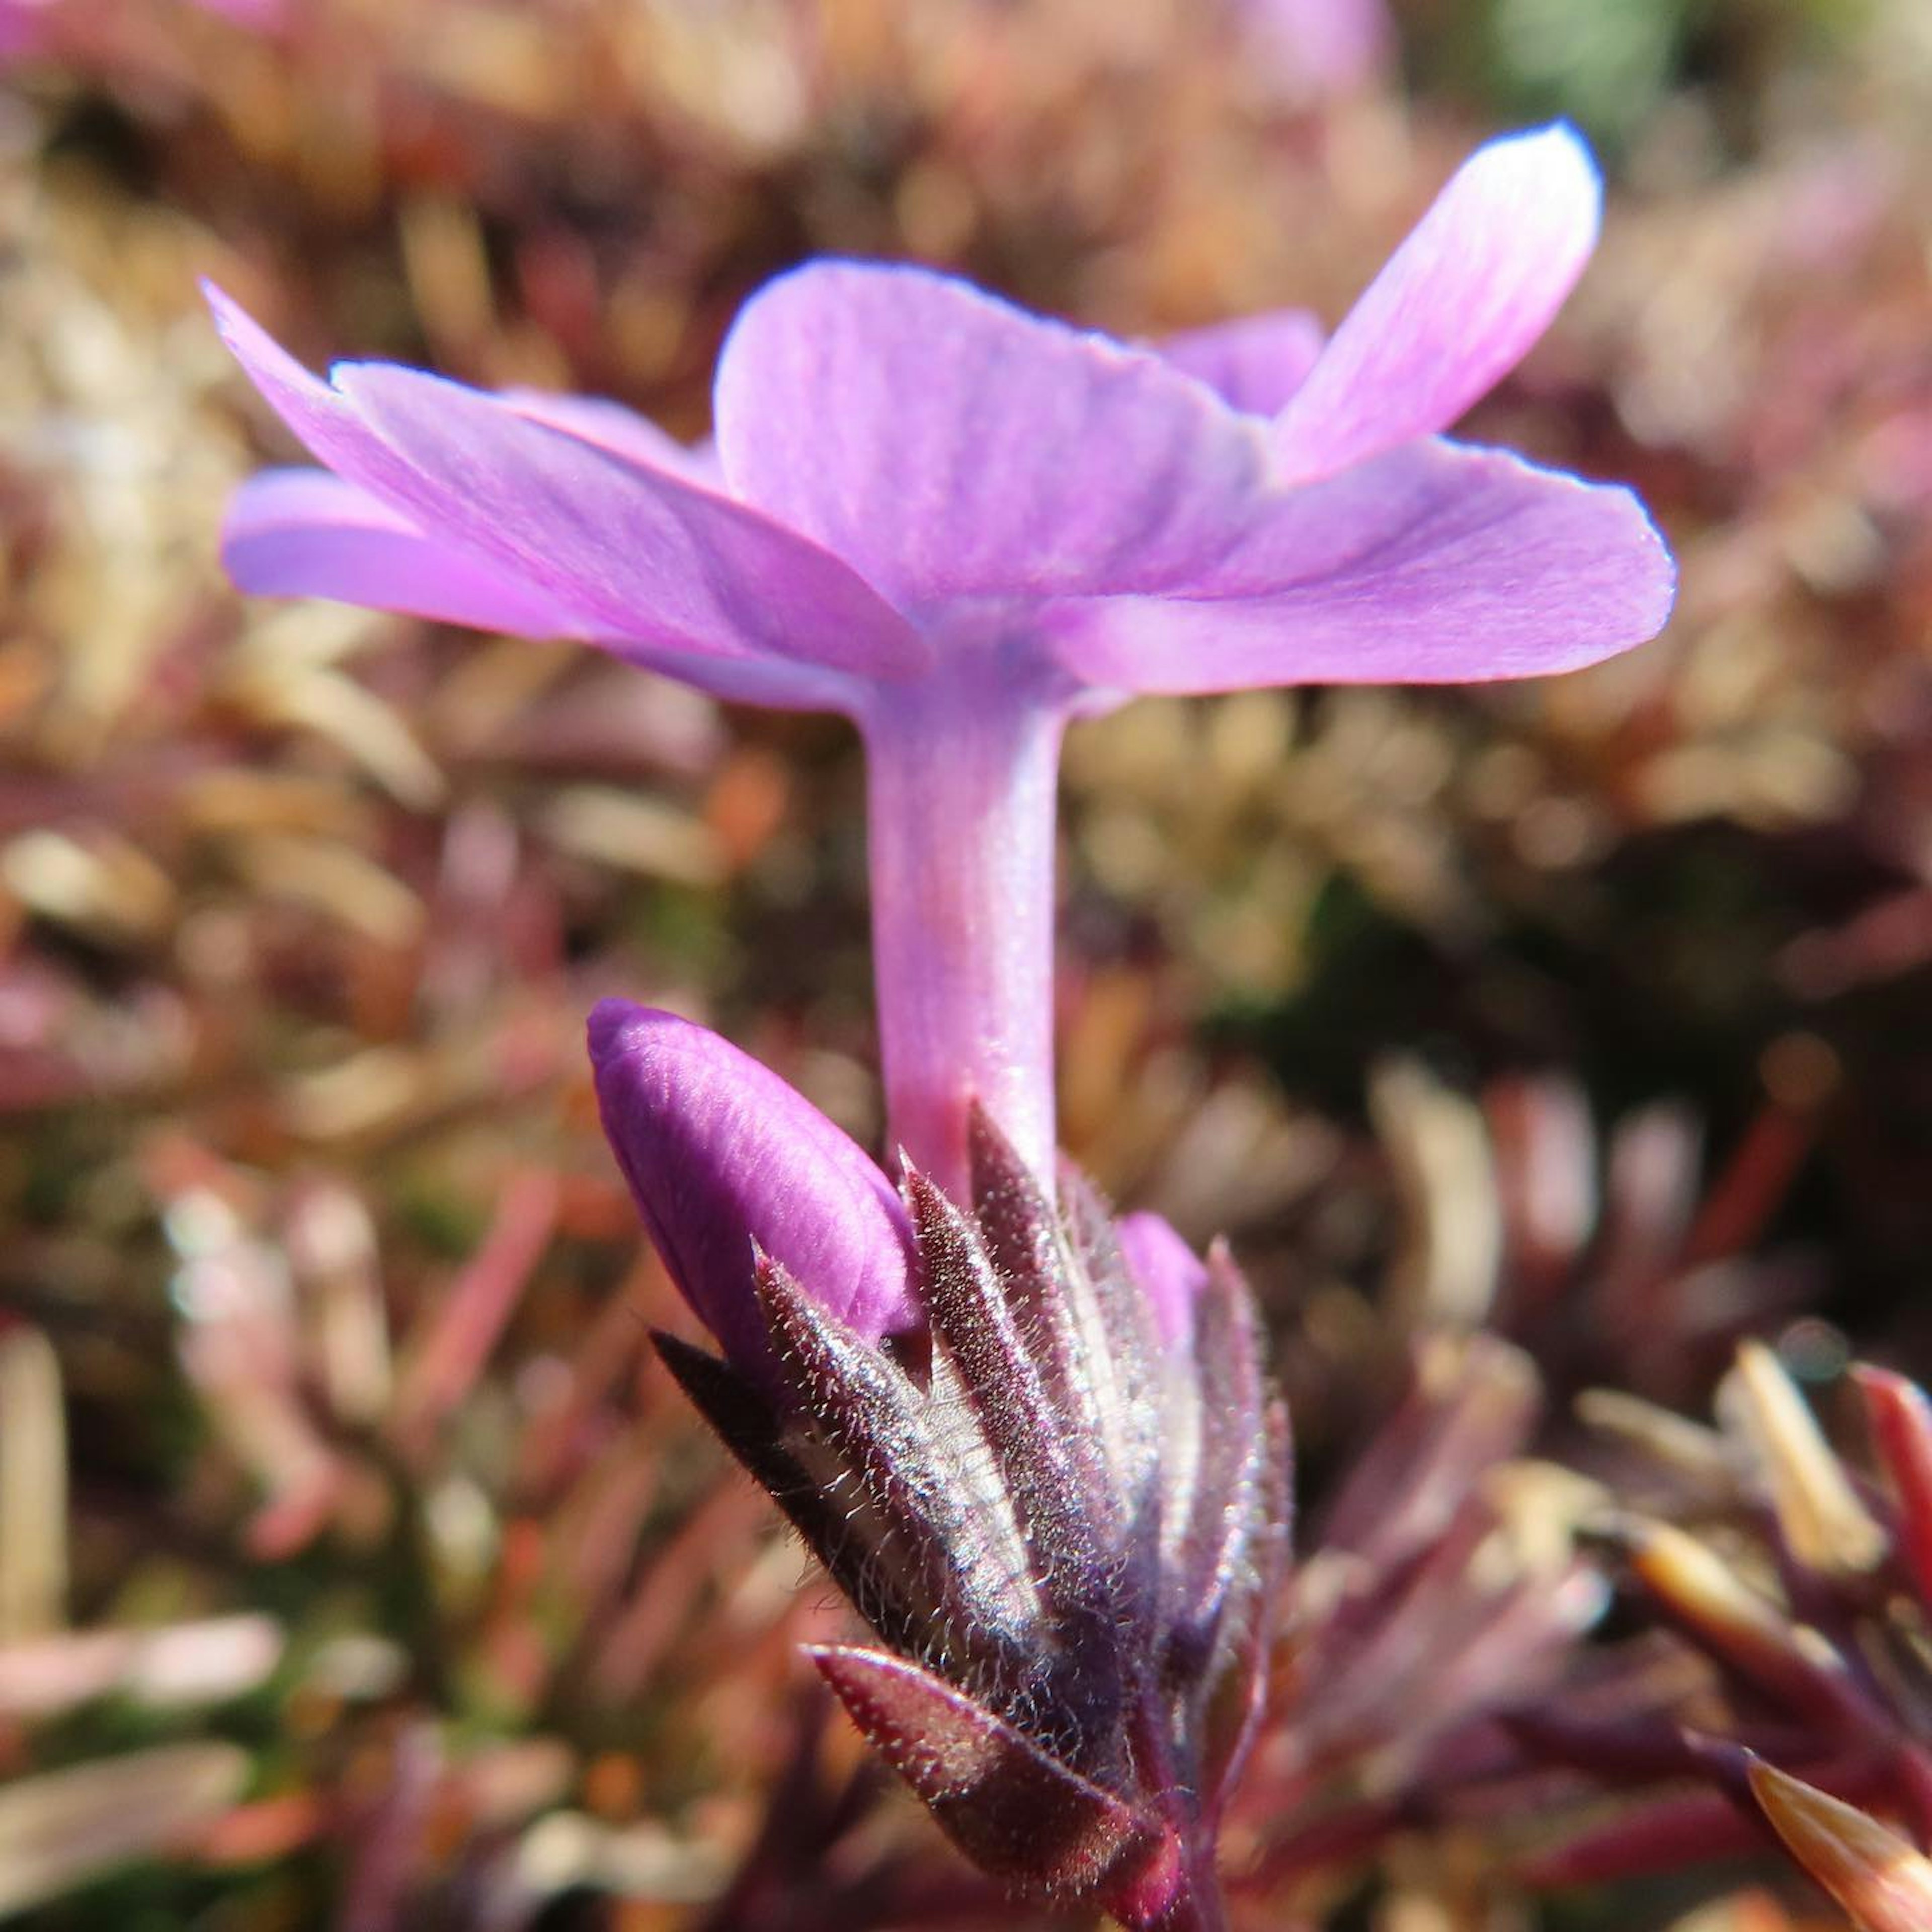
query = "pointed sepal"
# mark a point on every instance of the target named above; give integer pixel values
(938, 1569)
(1013, 1809)
(1065, 1514)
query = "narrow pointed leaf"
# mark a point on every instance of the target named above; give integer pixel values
(1900, 1419)
(1698, 1590)
(1825, 1526)
(1882, 1881)
(1136, 1359)
(1238, 1686)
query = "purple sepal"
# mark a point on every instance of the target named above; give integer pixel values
(1003, 1801)
(1065, 1528)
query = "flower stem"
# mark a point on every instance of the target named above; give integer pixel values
(962, 771)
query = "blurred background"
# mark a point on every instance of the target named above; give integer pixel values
(358, 1567)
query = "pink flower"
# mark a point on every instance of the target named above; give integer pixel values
(1060, 1497)
(960, 524)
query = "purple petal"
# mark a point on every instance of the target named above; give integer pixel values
(1256, 363)
(1457, 306)
(630, 551)
(770, 682)
(308, 533)
(722, 1155)
(1167, 1271)
(645, 554)
(595, 419)
(949, 445)
(1435, 564)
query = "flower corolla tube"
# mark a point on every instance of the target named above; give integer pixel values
(960, 524)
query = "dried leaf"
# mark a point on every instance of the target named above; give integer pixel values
(63, 1828)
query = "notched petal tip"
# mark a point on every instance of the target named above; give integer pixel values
(1557, 144)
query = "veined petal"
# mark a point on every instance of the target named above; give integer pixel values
(1255, 363)
(610, 426)
(308, 533)
(949, 445)
(1436, 564)
(644, 553)
(722, 1155)
(628, 550)
(1457, 308)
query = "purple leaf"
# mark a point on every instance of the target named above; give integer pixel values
(940, 1574)
(1022, 1237)
(1901, 1420)
(969, 1316)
